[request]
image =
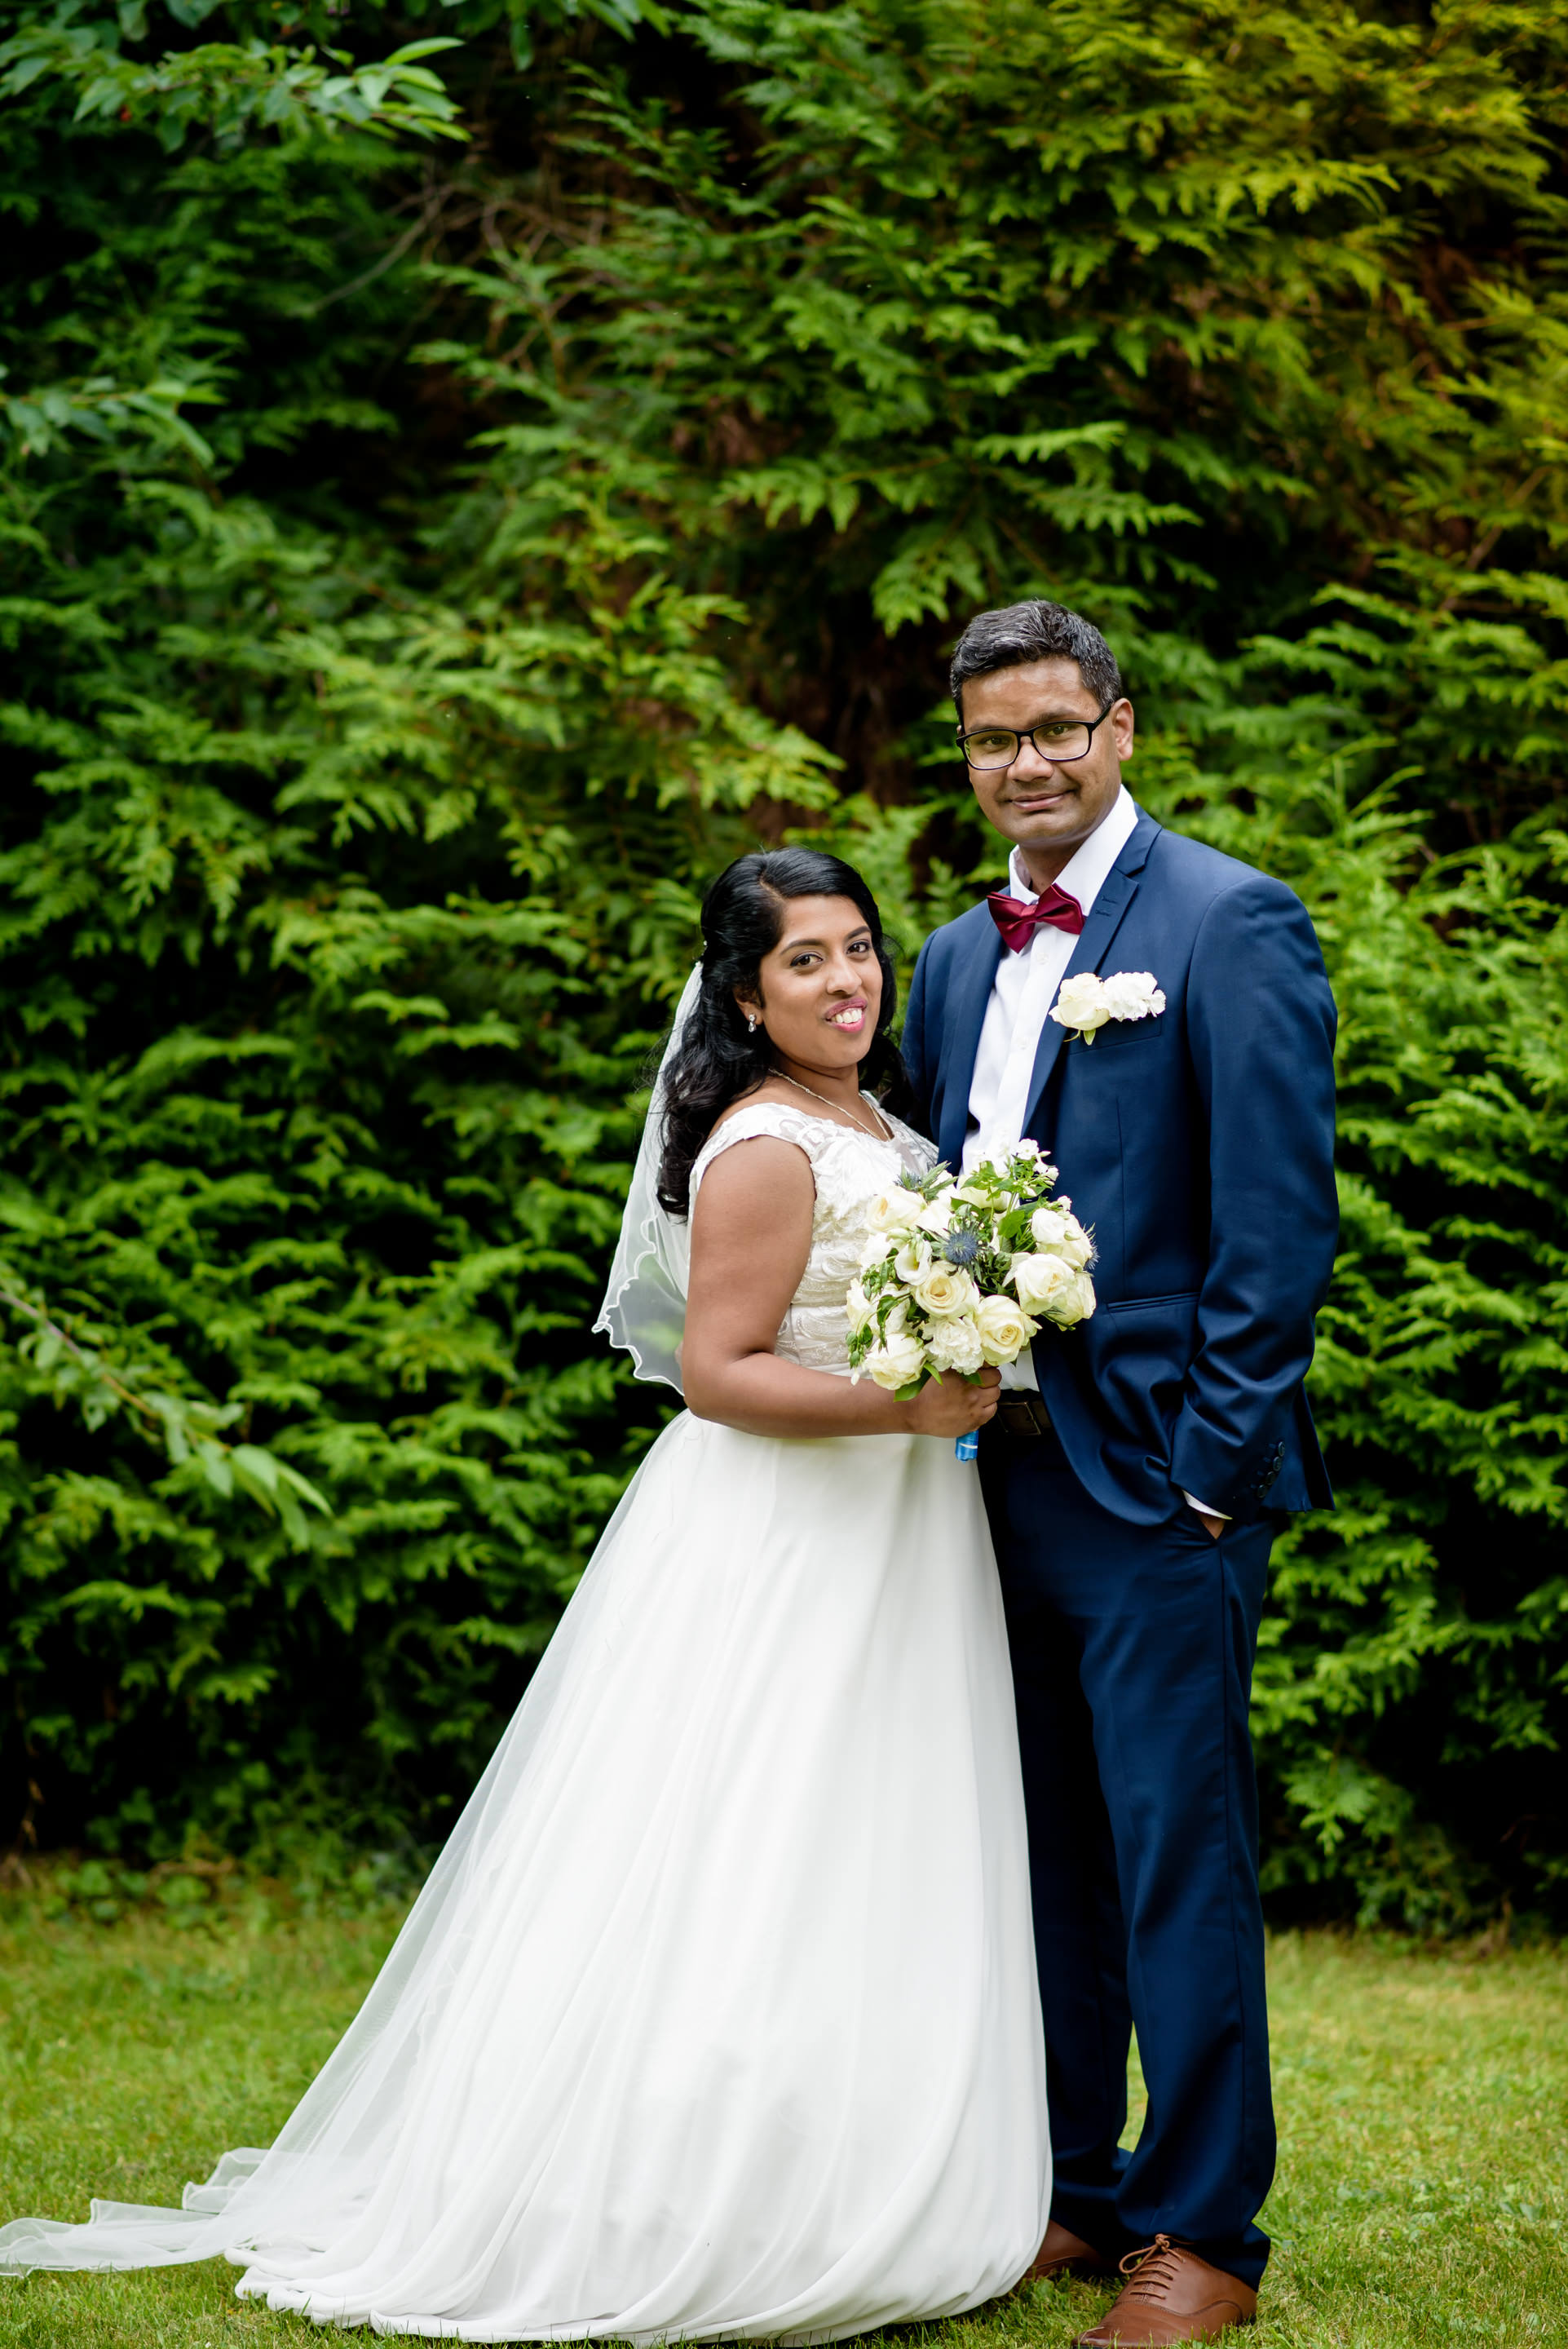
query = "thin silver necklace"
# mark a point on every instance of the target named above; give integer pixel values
(885, 1132)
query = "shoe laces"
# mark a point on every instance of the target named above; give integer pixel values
(1150, 2272)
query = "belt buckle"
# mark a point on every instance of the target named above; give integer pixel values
(1022, 1412)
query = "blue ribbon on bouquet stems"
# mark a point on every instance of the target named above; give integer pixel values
(966, 1447)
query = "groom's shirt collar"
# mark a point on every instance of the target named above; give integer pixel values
(1084, 874)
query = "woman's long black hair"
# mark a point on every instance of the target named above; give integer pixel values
(719, 1059)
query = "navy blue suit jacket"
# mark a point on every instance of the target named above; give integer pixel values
(1200, 1146)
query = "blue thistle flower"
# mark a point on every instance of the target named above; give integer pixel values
(961, 1247)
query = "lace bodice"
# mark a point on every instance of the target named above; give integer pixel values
(849, 1168)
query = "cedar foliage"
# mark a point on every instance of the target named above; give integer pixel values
(449, 507)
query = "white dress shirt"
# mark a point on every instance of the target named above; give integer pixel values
(1025, 988)
(1022, 993)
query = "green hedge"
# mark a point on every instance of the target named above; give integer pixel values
(447, 512)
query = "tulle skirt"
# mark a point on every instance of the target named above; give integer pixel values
(717, 2016)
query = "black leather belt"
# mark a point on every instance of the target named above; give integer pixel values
(1021, 1412)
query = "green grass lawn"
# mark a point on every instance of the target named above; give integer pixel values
(1422, 2194)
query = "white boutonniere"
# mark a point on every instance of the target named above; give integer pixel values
(1086, 1002)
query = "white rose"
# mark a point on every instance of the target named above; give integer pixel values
(1061, 1234)
(1005, 1329)
(1076, 1247)
(878, 1247)
(860, 1309)
(896, 1211)
(1040, 1281)
(1076, 1303)
(1080, 1003)
(899, 1358)
(1049, 1225)
(1132, 995)
(912, 1261)
(936, 1215)
(944, 1289)
(954, 1343)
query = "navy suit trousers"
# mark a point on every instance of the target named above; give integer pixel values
(1132, 1657)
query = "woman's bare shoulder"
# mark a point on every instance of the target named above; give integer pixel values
(776, 1161)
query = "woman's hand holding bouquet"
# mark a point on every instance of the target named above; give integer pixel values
(961, 1273)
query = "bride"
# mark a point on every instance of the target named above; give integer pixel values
(718, 2017)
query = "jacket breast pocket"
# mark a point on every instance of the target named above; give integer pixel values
(1121, 1036)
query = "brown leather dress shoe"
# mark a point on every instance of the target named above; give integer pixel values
(1065, 2253)
(1170, 2295)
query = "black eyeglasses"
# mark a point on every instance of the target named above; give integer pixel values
(1059, 739)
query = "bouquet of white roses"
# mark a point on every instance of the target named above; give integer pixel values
(961, 1272)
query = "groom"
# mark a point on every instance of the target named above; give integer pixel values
(1139, 1464)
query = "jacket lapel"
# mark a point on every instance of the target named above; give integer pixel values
(1094, 943)
(965, 1017)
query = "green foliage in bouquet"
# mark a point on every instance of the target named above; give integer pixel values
(454, 498)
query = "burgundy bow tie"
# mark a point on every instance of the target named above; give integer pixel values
(1018, 922)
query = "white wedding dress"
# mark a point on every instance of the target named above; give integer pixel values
(718, 2017)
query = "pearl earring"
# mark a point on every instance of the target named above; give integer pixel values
(751, 1025)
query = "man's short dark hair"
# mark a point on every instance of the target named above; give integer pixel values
(1031, 631)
